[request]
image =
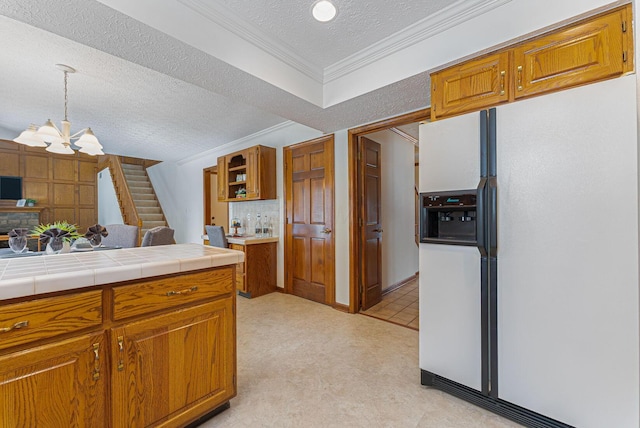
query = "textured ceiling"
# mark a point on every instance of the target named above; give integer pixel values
(357, 25)
(147, 94)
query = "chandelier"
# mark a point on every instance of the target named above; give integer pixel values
(59, 141)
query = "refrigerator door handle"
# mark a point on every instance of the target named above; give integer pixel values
(481, 235)
(492, 213)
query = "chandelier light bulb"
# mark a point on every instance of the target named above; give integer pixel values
(324, 11)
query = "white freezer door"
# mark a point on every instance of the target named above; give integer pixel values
(450, 342)
(568, 255)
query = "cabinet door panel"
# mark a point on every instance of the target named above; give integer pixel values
(253, 170)
(57, 385)
(223, 180)
(583, 53)
(473, 85)
(171, 362)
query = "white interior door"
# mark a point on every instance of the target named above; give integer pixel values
(450, 341)
(568, 255)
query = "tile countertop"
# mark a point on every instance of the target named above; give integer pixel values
(26, 276)
(247, 240)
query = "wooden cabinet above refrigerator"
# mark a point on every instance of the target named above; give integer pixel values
(590, 50)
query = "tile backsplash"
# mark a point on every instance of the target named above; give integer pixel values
(269, 208)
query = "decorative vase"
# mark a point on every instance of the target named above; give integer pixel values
(54, 246)
(17, 243)
(95, 240)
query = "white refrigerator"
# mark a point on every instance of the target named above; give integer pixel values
(561, 345)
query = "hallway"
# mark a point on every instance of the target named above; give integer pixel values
(302, 364)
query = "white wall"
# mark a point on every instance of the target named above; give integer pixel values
(179, 185)
(399, 249)
(7, 134)
(108, 207)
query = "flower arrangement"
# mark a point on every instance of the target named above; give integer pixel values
(61, 226)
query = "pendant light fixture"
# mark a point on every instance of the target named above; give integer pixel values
(59, 141)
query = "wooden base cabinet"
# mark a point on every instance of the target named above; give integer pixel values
(56, 385)
(257, 274)
(154, 352)
(173, 366)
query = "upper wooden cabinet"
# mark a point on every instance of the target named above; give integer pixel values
(594, 49)
(247, 175)
(470, 86)
(586, 52)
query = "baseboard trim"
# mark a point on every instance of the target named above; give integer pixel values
(399, 284)
(340, 307)
(511, 411)
(209, 415)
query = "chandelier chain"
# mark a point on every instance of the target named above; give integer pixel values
(66, 98)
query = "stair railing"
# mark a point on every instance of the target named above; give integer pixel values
(127, 206)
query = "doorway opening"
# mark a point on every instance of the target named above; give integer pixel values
(215, 213)
(378, 223)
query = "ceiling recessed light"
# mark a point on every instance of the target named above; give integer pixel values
(324, 11)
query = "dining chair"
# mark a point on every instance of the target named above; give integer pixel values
(121, 235)
(217, 237)
(161, 235)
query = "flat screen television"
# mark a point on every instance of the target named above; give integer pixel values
(10, 187)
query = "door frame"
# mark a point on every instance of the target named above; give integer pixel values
(206, 195)
(355, 201)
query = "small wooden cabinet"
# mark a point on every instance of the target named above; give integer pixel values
(257, 274)
(247, 175)
(151, 352)
(470, 86)
(594, 49)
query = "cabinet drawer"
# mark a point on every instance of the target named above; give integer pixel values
(154, 295)
(26, 322)
(237, 247)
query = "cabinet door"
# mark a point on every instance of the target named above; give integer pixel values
(56, 385)
(473, 85)
(583, 53)
(223, 179)
(174, 367)
(253, 173)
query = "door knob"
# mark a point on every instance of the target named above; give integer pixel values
(326, 230)
(378, 230)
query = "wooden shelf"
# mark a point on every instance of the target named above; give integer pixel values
(238, 168)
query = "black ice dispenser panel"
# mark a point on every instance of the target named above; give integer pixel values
(448, 217)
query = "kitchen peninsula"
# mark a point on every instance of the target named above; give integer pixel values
(128, 337)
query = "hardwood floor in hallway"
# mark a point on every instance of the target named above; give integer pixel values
(303, 364)
(399, 306)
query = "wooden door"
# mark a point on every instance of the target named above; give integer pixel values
(309, 237)
(371, 246)
(56, 385)
(163, 365)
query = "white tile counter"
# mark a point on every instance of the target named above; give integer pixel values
(25, 276)
(248, 240)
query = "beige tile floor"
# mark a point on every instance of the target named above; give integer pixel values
(399, 307)
(303, 364)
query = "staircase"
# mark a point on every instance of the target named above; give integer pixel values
(144, 198)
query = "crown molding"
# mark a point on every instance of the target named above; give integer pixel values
(238, 142)
(215, 12)
(455, 14)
